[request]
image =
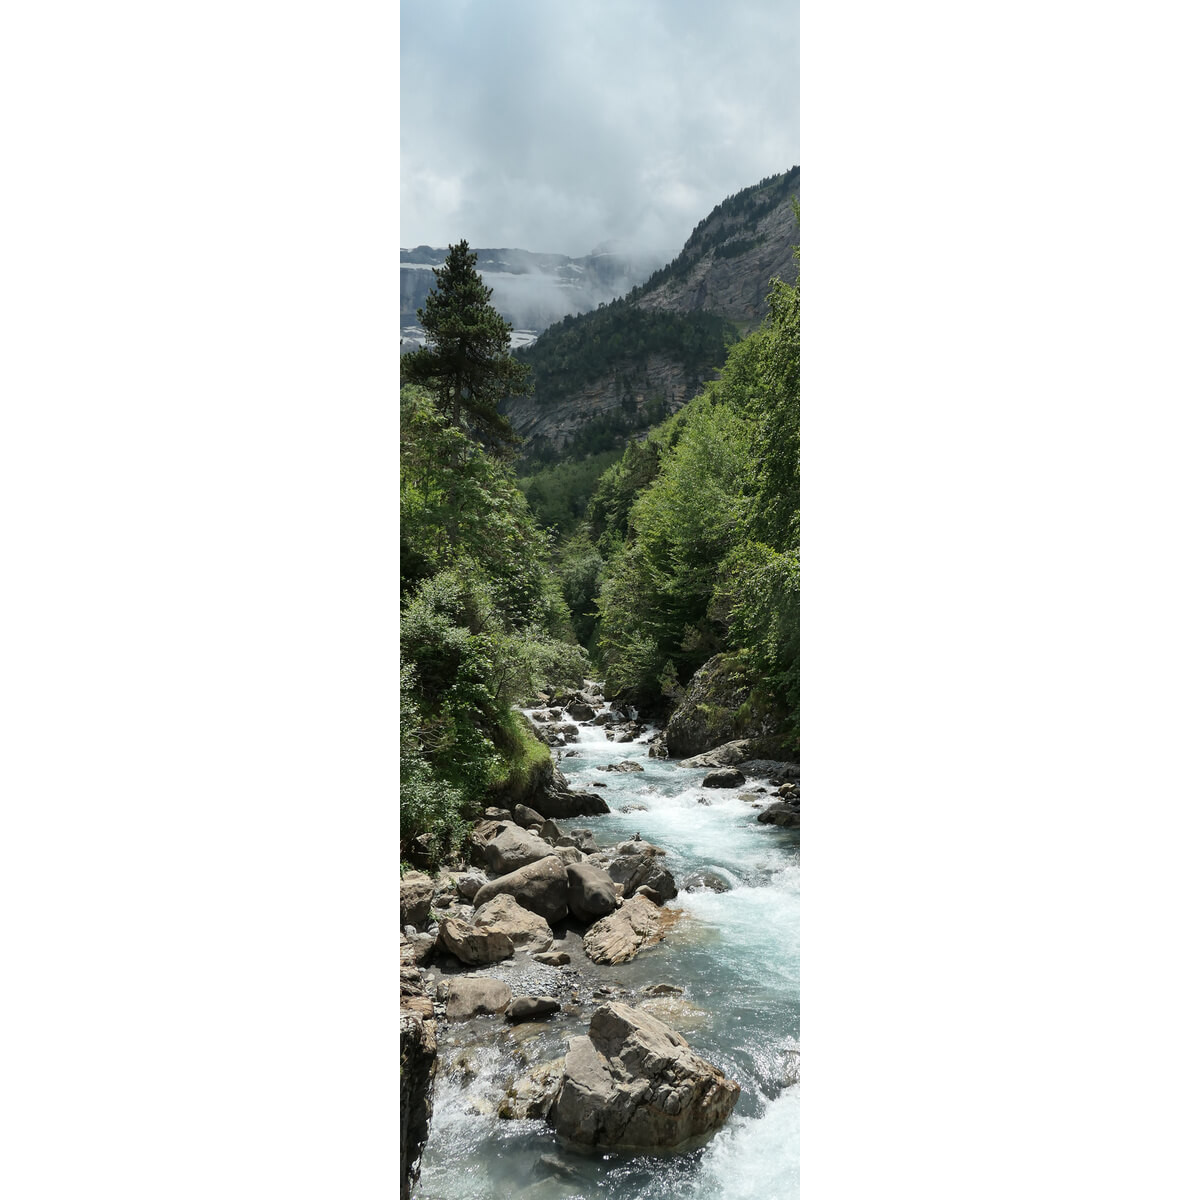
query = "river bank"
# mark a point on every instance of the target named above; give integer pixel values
(725, 976)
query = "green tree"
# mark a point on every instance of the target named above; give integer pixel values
(465, 361)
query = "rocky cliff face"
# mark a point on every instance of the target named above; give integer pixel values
(728, 263)
(658, 379)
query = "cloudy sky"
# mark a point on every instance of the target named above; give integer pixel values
(561, 125)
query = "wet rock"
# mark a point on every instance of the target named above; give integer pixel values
(598, 783)
(705, 880)
(625, 767)
(631, 808)
(704, 800)
(418, 1065)
(532, 1094)
(472, 946)
(476, 996)
(724, 777)
(539, 886)
(635, 845)
(580, 711)
(528, 1008)
(663, 989)
(416, 895)
(634, 1083)
(633, 871)
(781, 813)
(525, 929)
(590, 892)
(513, 847)
(623, 933)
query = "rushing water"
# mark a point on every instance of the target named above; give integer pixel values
(735, 953)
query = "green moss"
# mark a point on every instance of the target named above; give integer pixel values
(523, 757)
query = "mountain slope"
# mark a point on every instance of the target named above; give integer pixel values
(619, 369)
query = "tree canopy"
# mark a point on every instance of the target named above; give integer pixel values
(465, 362)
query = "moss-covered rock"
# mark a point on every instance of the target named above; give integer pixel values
(721, 704)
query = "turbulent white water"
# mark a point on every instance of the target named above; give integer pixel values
(736, 955)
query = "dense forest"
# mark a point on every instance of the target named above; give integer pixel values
(638, 565)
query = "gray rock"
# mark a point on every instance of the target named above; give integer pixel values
(476, 996)
(550, 832)
(539, 886)
(781, 813)
(532, 1094)
(622, 934)
(527, 818)
(569, 854)
(634, 1083)
(553, 958)
(416, 895)
(527, 1008)
(526, 930)
(633, 871)
(473, 946)
(724, 777)
(728, 755)
(497, 814)
(513, 847)
(590, 892)
(709, 880)
(469, 884)
(628, 765)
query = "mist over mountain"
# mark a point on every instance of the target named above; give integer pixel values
(530, 290)
(617, 370)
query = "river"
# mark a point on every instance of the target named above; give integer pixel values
(736, 955)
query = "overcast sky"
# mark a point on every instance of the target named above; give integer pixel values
(559, 125)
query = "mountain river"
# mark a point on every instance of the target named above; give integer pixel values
(733, 952)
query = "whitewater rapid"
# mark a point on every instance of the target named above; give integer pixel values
(736, 955)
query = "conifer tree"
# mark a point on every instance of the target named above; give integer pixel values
(465, 361)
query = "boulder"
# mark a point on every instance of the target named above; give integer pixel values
(633, 871)
(772, 768)
(552, 796)
(532, 1094)
(473, 946)
(418, 1065)
(525, 929)
(469, 884)
(717, 707)
(497, 814)
(590, 892)
(624, 767)
(528, 1008)
(781, 813)
(705, 880)
(514, 847)
(479, 837)
(724, 777)
(539, 886)
(569, 854)
(527, 818)
(580, 711)
(550, 832)
(553, 958)
(585, 839)
(416, 895)
(728, 755)
(619, 936)
(634, 1083)
(475, 996)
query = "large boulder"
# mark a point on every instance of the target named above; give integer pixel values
(514, 847)
(728, 755)
(717, 707)
(773, 768)
(619, 936)
(527, 818)
(781, 813)
(540, 886)
(476, 996)
(526, 930)
(590, 892)
(724, 777)
(416, 895)
(529, 1008)
(634, 871)
(473, 946)
(418, 1064)
(634, 1083)
(532, 1094)
(552, 796)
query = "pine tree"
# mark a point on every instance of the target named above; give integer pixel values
(465, 361)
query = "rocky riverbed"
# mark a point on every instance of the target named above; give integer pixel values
(615, 992)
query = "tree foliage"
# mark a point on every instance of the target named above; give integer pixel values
(465, 361)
